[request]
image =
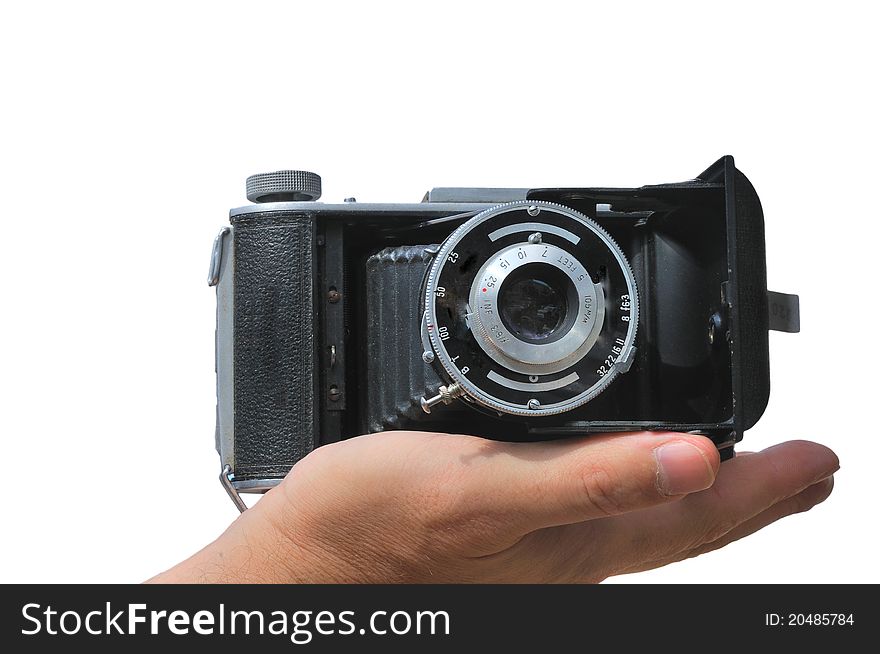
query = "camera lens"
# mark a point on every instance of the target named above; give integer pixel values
(515, 316)
(534, 302)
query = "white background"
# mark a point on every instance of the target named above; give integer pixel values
(126, 134)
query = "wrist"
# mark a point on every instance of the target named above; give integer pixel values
(258, 547)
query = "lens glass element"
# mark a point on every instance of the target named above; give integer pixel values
(533, 302)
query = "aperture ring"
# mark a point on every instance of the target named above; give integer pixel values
(504, 347)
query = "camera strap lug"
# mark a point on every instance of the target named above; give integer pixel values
(226, 481)
(217, 257)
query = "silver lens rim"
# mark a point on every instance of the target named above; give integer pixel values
(496, 340)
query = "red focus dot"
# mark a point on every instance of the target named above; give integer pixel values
(484, 290)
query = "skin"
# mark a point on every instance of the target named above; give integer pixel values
(422, 507)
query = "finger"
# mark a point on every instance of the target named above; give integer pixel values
(755, 483)
(745, 487)
(800, 503)
(535, 485)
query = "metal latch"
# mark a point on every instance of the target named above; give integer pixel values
(784, 311)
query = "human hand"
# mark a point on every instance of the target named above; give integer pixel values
(423, 507)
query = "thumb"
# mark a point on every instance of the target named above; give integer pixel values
(535, 485)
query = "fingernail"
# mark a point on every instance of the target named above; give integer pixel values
(682, 468)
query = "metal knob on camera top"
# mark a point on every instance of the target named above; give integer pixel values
(284, 186)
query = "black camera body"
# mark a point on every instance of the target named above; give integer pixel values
(514, 314)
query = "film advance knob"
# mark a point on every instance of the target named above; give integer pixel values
(284, 186)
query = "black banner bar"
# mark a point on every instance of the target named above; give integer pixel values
(436, 618)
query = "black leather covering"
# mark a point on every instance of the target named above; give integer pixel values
(274, 343)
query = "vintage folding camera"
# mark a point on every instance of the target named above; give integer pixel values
(515, 314)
